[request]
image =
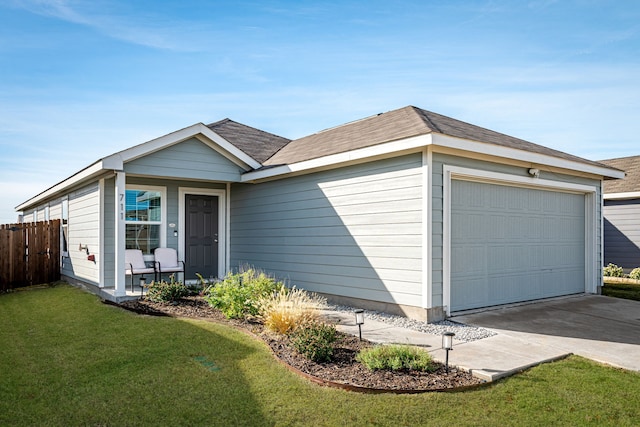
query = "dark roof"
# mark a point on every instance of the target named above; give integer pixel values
(395, 125)
(258, 144)
(631, 182)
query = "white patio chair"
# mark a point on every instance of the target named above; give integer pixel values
(166, 261)
(134, 264)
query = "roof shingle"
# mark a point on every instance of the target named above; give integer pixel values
(631, 182)
(258, 144)
(395, 125)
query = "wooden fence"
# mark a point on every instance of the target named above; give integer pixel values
(29, 254)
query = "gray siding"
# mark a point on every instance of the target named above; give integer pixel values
(190, 159)
(84, 228)
(354, 231)
(622, 233)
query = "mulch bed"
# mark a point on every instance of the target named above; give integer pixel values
(343, 371)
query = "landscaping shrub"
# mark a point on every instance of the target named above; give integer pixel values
(396, 357)
(288, 309)
(613, 270)
(635, 274)
(164, 291)
(315, 341)
(237, 295)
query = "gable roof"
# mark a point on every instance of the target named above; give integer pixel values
(631, 182)
(399, 124)
(258, 144)
(205, 134)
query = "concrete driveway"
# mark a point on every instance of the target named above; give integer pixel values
(600, 328)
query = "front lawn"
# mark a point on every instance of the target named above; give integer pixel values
(68, 359)
(626, 290)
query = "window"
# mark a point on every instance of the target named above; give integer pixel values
(64, 224)
(143, 218)
(46, 213)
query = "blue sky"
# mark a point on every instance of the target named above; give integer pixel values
(80, 79)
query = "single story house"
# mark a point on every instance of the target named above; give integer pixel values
(622, 214)
(406, 211)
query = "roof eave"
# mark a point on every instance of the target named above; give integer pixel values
(87, 174)
(523, 155)
(622, 196)
(116, 161)
(435, 139)
(404, 145)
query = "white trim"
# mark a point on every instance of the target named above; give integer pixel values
(436, 140)
(229, 150)
(527, 156)
(590, 243)
(622, 196)
(227, 264)
(511, 180)
(601, 276)
(403, 146)
(119, 234)
(427, 227)
(222, 223)
(476, 175)
(101, 233)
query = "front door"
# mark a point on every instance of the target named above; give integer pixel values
(201, 236)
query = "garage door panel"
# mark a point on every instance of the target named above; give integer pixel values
(521, 244)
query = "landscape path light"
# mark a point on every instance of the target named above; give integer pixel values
(143, 283)
(447, 345)
(359, 321)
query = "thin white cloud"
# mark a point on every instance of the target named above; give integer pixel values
(103, 17)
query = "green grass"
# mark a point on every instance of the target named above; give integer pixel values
(66, 359)
(622, 290)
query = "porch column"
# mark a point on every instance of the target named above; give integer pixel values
(120, 279)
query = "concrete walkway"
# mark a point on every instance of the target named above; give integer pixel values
(600, 328)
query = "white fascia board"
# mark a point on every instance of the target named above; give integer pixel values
(412, 143)
(622, 196)
(527, 156)
(86, 174)
(228, 150)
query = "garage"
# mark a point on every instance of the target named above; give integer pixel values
(512, 243)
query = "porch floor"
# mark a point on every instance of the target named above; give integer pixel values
(110, 294)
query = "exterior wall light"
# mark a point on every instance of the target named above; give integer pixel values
(447, 345)
(359, 321)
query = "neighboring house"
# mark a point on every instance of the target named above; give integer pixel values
(407, 211)
(622, 215)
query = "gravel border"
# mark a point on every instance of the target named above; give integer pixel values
(463, 332)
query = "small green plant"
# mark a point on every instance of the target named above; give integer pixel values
(613, 270)
(164, 291)
(237, 295)
(315, 341)
(289, 309)
(201, 287)
(396, 357)
(635, 274)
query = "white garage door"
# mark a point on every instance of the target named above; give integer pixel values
(511, 244)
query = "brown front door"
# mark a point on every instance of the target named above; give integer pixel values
(201, 244)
